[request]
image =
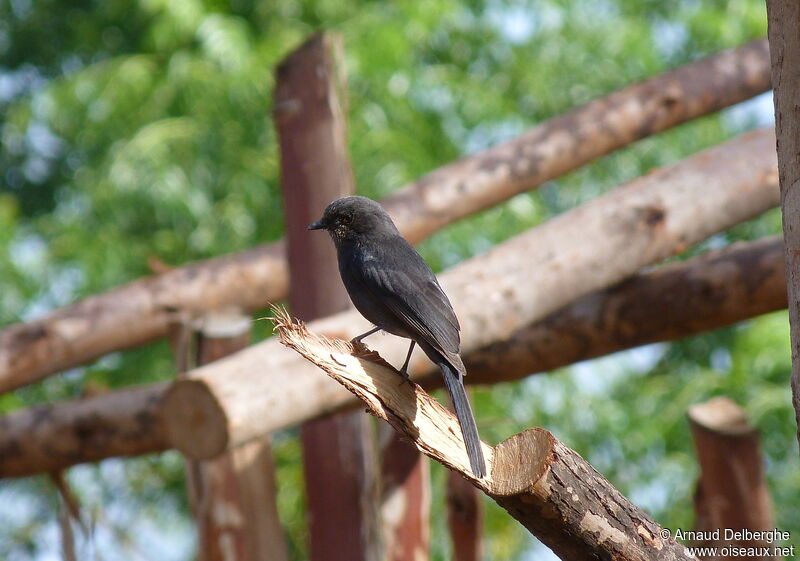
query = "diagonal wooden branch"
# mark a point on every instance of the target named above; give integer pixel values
(550, 489)
(405, 406)
(141, 311)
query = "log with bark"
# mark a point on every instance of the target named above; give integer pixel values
(50, 437)
(707, 292)
(557, 495)
(141, 311)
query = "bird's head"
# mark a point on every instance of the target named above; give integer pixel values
(350, 217)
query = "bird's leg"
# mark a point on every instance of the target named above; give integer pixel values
(404, 369)
(367, 334)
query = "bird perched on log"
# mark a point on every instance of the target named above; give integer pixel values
(395, 289)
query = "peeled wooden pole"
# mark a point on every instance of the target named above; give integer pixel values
(547, 487)
(140, 312)
(588, 248)
(684, 298)
(710, 291)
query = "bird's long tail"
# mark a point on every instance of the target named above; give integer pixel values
(455, 387)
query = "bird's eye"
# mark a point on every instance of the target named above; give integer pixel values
(346, 219)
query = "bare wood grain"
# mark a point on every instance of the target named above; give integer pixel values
(547, 487)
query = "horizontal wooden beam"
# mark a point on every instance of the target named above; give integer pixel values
(710, 291)
(141, 311)
(267, 387)
(589, 248)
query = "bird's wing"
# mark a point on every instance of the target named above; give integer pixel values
(410, 290)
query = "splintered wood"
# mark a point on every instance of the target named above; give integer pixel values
(549, 488)
(406, 406)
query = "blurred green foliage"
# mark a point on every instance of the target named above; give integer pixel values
(138, 130)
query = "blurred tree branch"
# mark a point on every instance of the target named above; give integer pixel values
(140, 312)
(707, 292)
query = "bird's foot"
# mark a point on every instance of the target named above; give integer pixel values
(406, 379)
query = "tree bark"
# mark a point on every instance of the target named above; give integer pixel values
(51, 437)
(784, 41)
(140, 312)
(547, 487)
(732, 492)
(310, 99)
(588, 248)
(710, 291)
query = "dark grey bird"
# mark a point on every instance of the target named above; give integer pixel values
(395, 289)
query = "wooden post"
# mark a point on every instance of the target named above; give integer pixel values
(233, 496)
(337, 451)
(464, 518)
(405, 498)
(783, 17)
(732, 492)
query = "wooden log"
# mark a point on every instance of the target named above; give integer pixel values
(51, 437)
(710, 291)
(583, 250)
(783, 17)
(677, 300)
(310, 99)
(140, 312)
(732, 490)
(547, 487)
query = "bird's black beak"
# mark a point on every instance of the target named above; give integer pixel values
(318, 225)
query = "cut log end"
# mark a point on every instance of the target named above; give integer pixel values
(195, 421)
(721, 415)
(520, 461)
(542, 483)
